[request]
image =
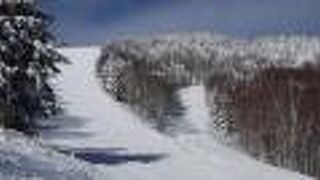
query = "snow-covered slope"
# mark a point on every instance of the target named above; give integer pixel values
(23, 158)
(110, 137)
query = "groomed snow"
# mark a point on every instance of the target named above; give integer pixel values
(98, 127)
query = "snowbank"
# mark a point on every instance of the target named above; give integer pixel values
(24, 158)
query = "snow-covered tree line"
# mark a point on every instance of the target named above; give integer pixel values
(264, 92)
(27, 63)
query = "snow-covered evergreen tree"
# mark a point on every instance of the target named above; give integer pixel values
(27, 62)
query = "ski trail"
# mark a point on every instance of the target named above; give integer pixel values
(94, 121)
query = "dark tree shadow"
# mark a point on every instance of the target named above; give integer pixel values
(113, 156)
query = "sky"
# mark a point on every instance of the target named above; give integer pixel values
(96, 21)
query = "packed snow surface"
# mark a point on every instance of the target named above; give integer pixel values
(112, 139)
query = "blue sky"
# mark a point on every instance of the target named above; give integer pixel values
(96, 21)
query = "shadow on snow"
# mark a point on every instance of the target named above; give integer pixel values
(113, 156)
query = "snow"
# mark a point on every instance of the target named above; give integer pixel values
(98, 138)
(23, 158)
(98, 129)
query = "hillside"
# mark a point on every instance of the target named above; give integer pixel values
(104, 135)
(102, 131)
